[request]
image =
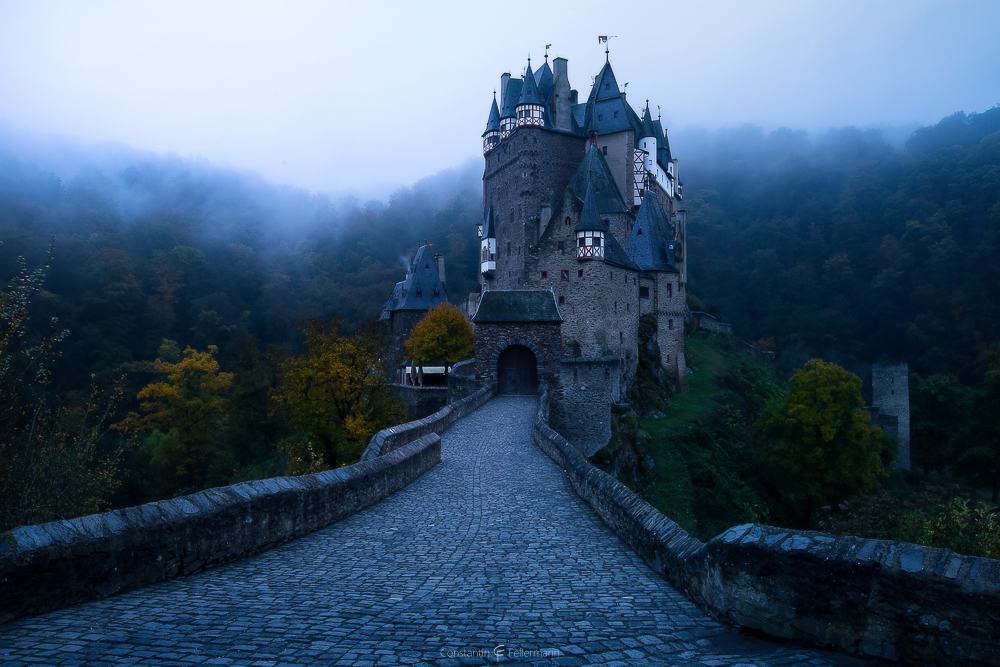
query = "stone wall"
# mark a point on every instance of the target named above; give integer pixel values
(462, 381)
(581, 401)
(876, 598)
(394, 437)
(56, 564)
(706, 322)
(542, 338)
(422, 401)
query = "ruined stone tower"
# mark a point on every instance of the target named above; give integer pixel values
(891, 395)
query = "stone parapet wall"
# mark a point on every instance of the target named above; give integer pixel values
(462, 380)
(582, 398)
(394, 437)
(421, 401)
(877, 598)
(56, 564)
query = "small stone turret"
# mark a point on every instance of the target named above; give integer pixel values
(591, 233)
(891, 395)
(488, 247)
(491, 137)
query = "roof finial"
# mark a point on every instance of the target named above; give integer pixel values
(657, 112)
(547, 47)
(603, 39)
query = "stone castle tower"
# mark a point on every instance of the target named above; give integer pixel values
(582, 199)
(891, 395)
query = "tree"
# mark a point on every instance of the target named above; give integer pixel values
(443, 334)
(939, 406)
(57, 460)
(818, 444)
(981, 458)
(336, 394)
(188, 411)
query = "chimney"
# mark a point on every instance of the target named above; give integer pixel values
(504, 78)
(439, 265)
(562, 97)
(574, 97)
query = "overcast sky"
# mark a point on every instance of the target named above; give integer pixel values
(371, 95)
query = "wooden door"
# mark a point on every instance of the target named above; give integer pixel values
(517, 371)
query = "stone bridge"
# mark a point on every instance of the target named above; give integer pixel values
(489, 557)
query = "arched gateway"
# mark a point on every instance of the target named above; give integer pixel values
(517, 371)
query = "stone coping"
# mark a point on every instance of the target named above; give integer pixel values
(52, 565)
(880, 598)
(394, 437)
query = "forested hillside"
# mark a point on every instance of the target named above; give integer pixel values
(847, 249)
(839, 246)
(179, 250)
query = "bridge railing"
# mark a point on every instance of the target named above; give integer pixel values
(394, 437)
(879, 598)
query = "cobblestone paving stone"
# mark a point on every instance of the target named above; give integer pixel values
(489, 554)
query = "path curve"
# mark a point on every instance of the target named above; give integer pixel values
(489, 554)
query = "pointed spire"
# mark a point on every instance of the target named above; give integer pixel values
(647, 129)
(493, 124)
(529, 89)
(590, 218)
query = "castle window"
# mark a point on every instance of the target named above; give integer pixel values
(616, 114)
(534, 140)
(600, 116)
(621, 337)
(560, 246)
(670, 324)
(566, 222)
(562, 301)
(670, 289)
(579, 273)
(564, 275)
(545, 274)
(604, 149)
(612, 275)
(607, 86)
(643, 292)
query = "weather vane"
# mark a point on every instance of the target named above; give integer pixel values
(547, 47)
(603, 39)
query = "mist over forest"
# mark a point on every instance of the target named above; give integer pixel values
(834, 245)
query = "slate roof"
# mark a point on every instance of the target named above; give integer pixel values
(494, 121)
(529, 89)
(543, 77)
(594, 169)
(510, 98)
(646, 128)
(648, 246)
(517, 306)
(422, 288)
(590, 219)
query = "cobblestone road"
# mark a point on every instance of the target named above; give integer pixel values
(490, 553)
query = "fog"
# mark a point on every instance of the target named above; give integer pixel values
(364, 98)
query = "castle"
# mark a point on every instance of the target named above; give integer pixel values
(582, 233)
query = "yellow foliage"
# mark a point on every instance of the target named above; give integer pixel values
(443, 334)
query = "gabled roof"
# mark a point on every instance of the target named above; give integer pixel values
(493, 124)
(593, 168)
(491, 231)
(422, 288)
(517, 306)
(529, 89)
(648, 245)
(510, 98)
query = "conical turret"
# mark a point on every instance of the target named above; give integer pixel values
(530, 109)
(488, 246)
(591, 232)
(491, 137)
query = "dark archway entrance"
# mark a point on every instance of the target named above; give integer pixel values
(517, 371)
